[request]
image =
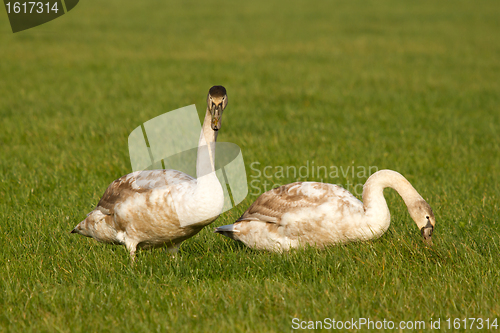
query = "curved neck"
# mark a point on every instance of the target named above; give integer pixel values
(205, 161)
(373, 190)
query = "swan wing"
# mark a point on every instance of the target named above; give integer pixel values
(139, 182)
(272, 205)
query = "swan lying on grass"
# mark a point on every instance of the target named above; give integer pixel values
(318, 214)
(143, 209)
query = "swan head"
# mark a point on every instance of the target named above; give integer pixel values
(216, 102)
(421, 213)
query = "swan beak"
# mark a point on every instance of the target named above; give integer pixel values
(427, 234)
(216, 112)
(215, 124)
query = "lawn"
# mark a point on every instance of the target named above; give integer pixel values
(408, 86)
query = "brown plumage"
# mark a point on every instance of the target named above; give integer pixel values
(319, 214)
(156, 208)
(271, 205)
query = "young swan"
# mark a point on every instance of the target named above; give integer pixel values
(319, 214)
(146, 209)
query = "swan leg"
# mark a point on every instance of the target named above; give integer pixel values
(131, 247)
(173, 249)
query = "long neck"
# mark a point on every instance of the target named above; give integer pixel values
(373, 191)
(205, 200)
(205, 162)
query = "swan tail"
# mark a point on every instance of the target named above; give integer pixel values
(228, 231)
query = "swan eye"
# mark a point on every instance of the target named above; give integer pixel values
(427, 217)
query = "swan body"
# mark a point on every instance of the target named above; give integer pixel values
(319, 214)
(156, 208)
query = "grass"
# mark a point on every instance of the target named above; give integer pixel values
(411, 87)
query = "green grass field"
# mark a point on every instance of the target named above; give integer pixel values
(408, 86)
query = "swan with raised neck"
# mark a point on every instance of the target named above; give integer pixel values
(162, 208)
(319, 214)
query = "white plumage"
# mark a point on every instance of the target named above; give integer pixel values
(319, 214)
(156, 208)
